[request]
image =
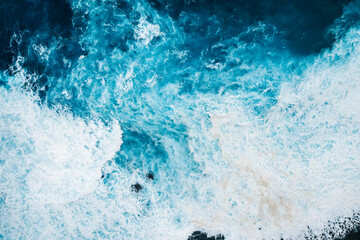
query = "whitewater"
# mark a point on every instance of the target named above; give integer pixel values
(154, 119)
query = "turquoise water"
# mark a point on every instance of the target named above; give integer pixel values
(154, 119)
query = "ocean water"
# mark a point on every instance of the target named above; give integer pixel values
(179, 119)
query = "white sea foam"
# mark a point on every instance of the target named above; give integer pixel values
(291, 170)
(297, 168)
(48, 155)
(146, 31)
(50, 179)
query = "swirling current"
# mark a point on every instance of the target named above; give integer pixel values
(179, 119)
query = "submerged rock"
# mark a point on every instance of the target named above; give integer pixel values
(136, 187)
(197, 235)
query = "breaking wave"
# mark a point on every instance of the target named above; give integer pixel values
(154, 119)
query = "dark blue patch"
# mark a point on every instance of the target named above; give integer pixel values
(45, 18)
(302, 23)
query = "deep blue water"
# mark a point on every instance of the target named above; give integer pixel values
(179, 119)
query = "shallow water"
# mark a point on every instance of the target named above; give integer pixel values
(154, 119)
